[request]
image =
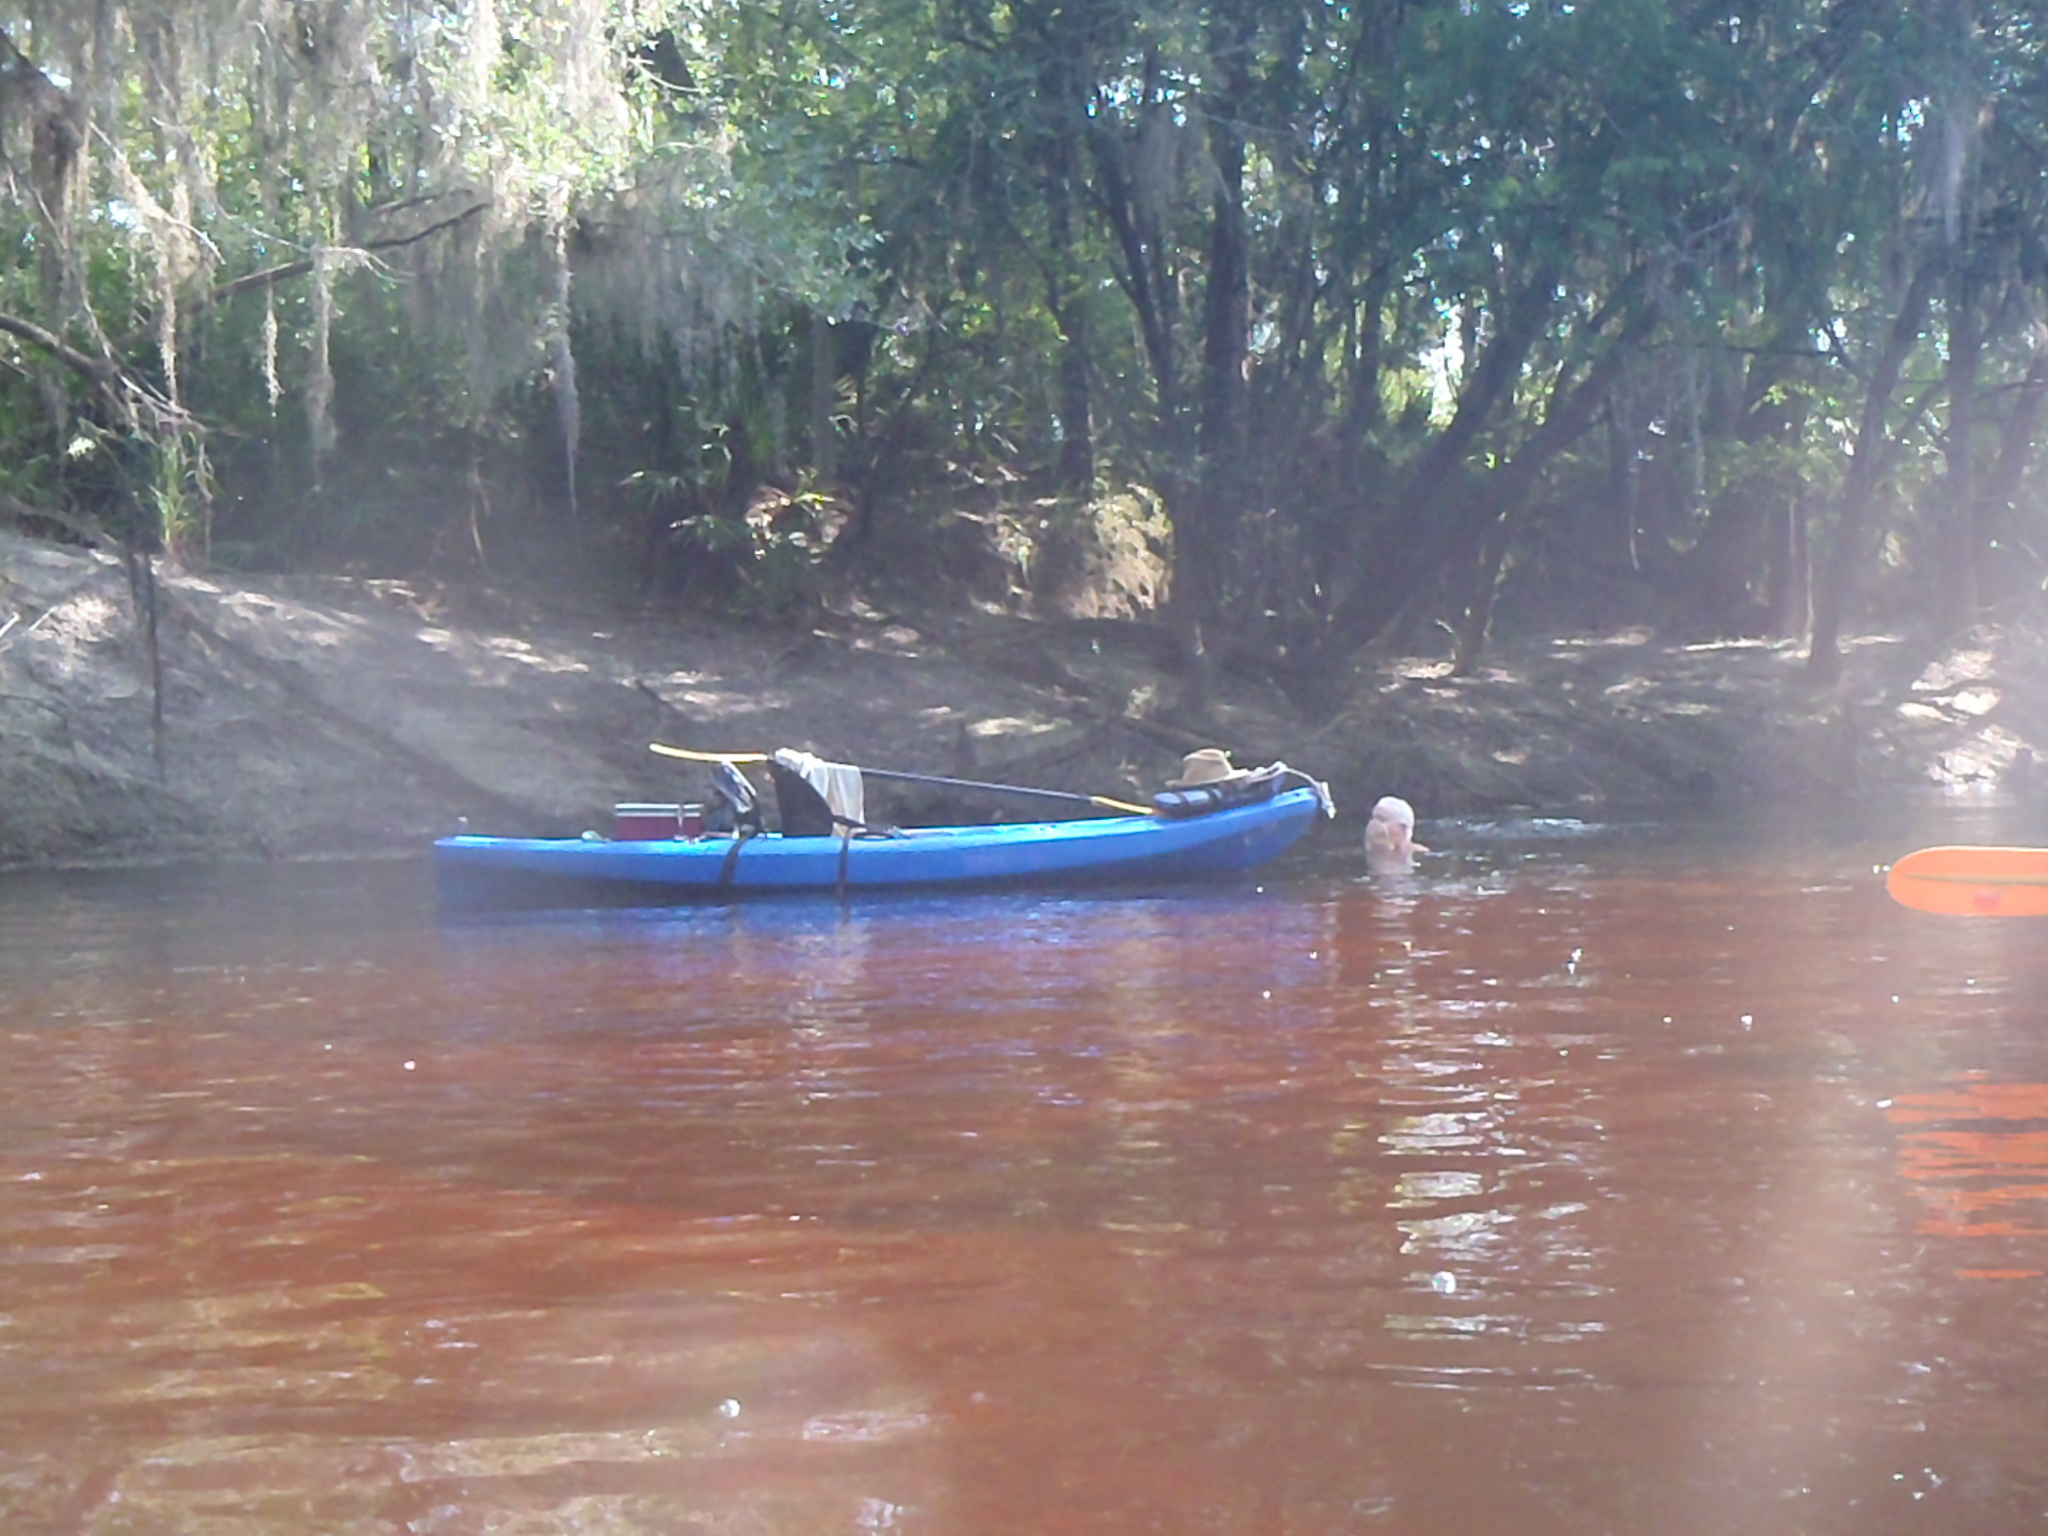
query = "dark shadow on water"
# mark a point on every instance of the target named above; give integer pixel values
(1896, 822)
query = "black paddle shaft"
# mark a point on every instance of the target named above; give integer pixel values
(994, 789)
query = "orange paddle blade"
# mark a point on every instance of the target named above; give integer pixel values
(1972, 882)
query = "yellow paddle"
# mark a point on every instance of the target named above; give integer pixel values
(1102, 801)
(707, 757)
(1972, 882)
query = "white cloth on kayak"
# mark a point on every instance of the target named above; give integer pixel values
(839, 783)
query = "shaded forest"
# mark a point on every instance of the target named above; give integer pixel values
(1302, 328)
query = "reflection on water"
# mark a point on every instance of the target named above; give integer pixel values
(1588, 1182)
(1978, 1154)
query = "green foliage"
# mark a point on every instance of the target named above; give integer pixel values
(1385, 306)
(769, 559)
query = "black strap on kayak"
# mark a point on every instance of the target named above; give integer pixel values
(732, 858)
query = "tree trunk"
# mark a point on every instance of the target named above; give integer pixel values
(2018, 446)
(1466, 533)
(824, 396)
(1507, 492)
(1475, 624)
(1076, 408)
(1147, 276)
(1202, 542)
(1866, 474)
(1789, 582)
(1960, 597)
(1064, 290)
(1360, 607)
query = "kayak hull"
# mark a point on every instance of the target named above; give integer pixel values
(1136, 850)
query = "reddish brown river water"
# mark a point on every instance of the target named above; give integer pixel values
(1593, 1181)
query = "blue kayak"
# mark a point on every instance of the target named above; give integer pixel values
(1132, 850)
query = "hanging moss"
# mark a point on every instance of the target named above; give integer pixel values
(516, 152)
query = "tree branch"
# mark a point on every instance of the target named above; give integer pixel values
(132, 400)
(291, 269)
(97, 370)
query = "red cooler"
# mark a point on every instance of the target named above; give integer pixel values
(644, 823)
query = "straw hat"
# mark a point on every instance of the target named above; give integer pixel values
(1210, 765)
